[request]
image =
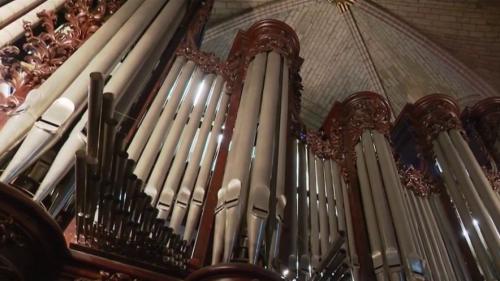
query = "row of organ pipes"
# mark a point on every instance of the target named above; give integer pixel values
(220, 153)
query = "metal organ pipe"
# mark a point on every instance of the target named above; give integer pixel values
(150, 119)
(323, 220)
(181, 87)
(313, 210)
(121, 82)
(12, 19)
(176, 170)
(162, 164)
(262, 167)
(56, 119)
(204, 169)
(332, 214)
(245, 129)
(18, 125)
(189, 178)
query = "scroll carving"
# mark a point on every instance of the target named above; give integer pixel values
(319, 145)
(493, 177)
(42, 54)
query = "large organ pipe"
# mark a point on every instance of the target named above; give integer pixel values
(303, 210)
(18, 125)
(189, 178)
(204, 169)
(481, 184)
(14, 30)
(57, 118)
(260, 182)
(171, 184)
(371, 219)
(413, 264)
(283, 157)
(15, 9)
(122, 81)
(332, 214)
(476, 205)
(322, 211)
(236, 193)
(167, 152)
(467, 220)
(155, 110)
(313, 210)
(220, 210)
(387, 236)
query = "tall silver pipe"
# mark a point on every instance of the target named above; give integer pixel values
(184, 143)
(313, 211)
(303, 209)
(412, 262)
(330, 194)
(155, 109)
(202, 140)
(184, 86)
(476, 205)
(237, 170)
(382, 212)
(481, 183)
(323, 215)
(196, 202)
(370, 217)
(482, 254)
(163, 162)
(283, 158)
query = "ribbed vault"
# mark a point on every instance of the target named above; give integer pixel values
(367, 47)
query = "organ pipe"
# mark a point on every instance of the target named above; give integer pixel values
(18, 125)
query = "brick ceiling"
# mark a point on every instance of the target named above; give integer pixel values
(403, 49)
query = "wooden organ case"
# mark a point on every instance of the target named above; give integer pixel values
(129, 154)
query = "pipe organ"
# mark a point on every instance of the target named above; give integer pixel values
(130, 154)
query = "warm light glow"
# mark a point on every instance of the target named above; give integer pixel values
(286, 272)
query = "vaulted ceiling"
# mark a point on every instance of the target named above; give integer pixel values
(402, 49)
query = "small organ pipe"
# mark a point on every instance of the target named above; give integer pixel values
(189, 177)
(155, 109)
(196, 202)
(183, 86)
(303, 209)
(164, 160)
(185, 141)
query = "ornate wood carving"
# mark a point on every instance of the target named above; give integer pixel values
(493, 177)
(208, 62)
(365, 110)
(432, 115)
(319, 145)
(42, 54)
